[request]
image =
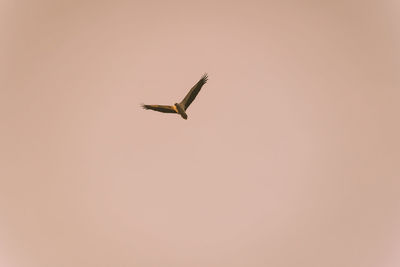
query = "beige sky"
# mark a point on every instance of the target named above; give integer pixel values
(289, 157)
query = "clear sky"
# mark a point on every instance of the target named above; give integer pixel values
(289, 157)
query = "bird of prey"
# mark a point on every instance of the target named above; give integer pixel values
(180, 108)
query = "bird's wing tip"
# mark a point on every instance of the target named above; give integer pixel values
(205, 77)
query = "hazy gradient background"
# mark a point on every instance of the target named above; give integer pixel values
(290, 155)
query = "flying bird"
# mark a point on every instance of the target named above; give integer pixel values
(180, 108)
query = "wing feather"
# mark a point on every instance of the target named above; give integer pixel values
(194, 91)
(160, 108)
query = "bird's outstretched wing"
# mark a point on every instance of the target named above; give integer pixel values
(160, 108)
(194, 91)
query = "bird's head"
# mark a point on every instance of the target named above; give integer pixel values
(179, 108)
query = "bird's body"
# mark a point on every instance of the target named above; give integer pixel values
(180, 108)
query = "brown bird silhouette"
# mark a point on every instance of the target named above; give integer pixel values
(180, 108)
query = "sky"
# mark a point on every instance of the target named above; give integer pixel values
(290, 155)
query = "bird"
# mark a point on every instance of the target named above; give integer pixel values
(181, 107)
